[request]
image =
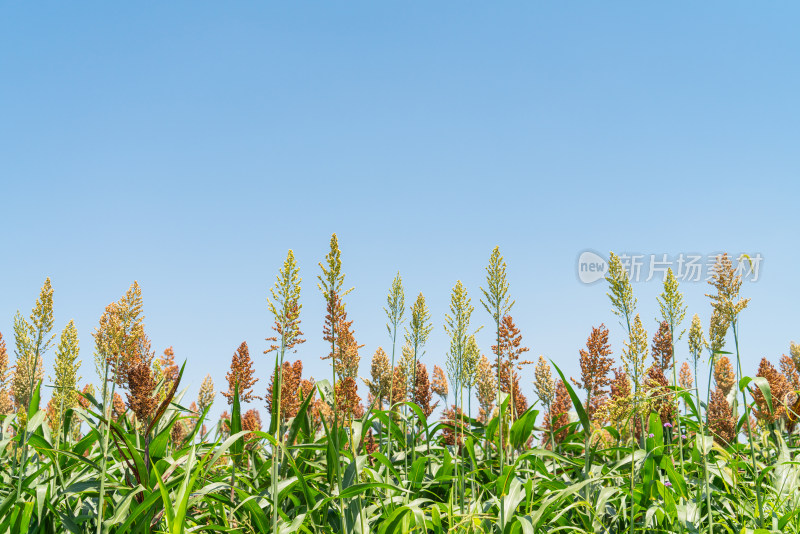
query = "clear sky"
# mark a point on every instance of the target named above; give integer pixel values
(189, 145)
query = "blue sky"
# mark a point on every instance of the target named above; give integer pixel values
(188, 146)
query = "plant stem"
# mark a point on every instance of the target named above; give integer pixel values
(391, 397)
(414, 425)
(107, 431)
(335, 433)
(677, 403)
(276, 450)
(734, 324)
(26, 434)
(633, 474)
(501, 445)
(702, 451)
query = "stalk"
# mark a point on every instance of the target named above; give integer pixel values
(759, 498)
(461, 451)
(106, 433)
(26, 434)
(404, 414)
(703, 437)
(59, 472)
(635, 390)
(414, 425)
(355, 464)
(677, 404)
(276, 450)
(233, 489)
(586, 444)
(633, 475)
(498, 303)
(552, 434)
(513, 408)
(456, 429)
(391, 399)
(336, 433)
(330, 283)
(501, 445)
(469, 415)
(395, 309)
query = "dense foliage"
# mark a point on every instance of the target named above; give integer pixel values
(635, 448)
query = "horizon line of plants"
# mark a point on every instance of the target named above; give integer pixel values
(628, 447)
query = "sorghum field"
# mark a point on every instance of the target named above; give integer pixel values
(633, 444)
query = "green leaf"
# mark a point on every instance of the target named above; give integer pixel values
(169, 510)
(763, 385)
(158, 445)
(299, 422)
(576, 402)
(423, 420)
(254, 511)
(122, 508)
(656, 443)
(325, 391)
(33, 407)
(522, 428)
(236, 424)
(191, 475)
(166, 402)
